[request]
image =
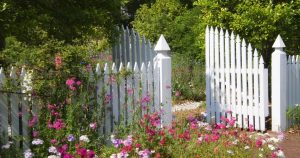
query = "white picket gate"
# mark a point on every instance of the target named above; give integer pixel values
(236, 80)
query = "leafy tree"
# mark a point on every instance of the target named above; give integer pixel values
(35, 21)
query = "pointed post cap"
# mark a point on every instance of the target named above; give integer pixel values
(278, 44)
(162, 45)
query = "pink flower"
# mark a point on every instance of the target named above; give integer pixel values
(35, 134)
(232, 121)
(259, 142)
(93, 125)
(57, 125)
(251, 128)
(33, 121)
(53, 141)
(107, 99)
(58, 60)
(129, 91)
(78, 83)
(146, 99)
(177, 94)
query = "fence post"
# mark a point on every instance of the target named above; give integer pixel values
(163, 61)
(279, 87)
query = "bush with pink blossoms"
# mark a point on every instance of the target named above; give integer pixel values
(192, 138)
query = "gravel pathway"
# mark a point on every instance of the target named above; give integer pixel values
(186, 106)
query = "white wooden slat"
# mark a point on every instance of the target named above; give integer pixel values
(129, 88)
(244, 89)
(212, 75)
(233, 75)
(144, 88)
(115, 95)
(123, 45)
(264, 94)
(238, 82)
(227, 75)
(222, 73)
(250, 85)
(289, 81)
(122, 94)
(143, 50)
(3, 109)
(99, 91)
(108, 108)
(294, 92)
(217, 76)
(136, 90)
(133, 46)
(207, 71)
(150, 86)
(127, 46)
(138, 49)
(297, 79)
(256, 90)
(25, 109)
(14, 104)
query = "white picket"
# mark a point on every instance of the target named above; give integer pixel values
(244, 90)
(122, 95)
(217, 76)
(289, 81)
(99, 91)
(207, 72)
(294, 81)
(136, 89)
(115, 95)
(222, 74)
(108, 108)
(144, 106)
(129, 88)
(250, 84)
(227, 76)
(238, 82)
(127, 46)
(263, 94)
(3, 108)
(25, 109)
(297, 79)
(233, 75)
(212, 111)
(256, 90)
(150, 86)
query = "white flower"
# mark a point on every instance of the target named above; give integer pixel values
(52, 149)
(230, 152)
(271, 147)
(84, 138)
(260, 155)
(261, 149)
(6, 146)
(28, 154)
(54, 156)
(246, 147)
(113, 156)
(280, 154)
(37, 142)
(235, 142)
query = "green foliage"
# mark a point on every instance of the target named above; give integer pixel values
(293, 113)
(34, 22)
(188, 78)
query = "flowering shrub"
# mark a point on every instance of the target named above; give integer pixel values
(193, 138)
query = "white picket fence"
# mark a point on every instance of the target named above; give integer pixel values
(125, 97)
(236, 80)
(131, 47)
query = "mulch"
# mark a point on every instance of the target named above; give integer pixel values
(291, 145)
